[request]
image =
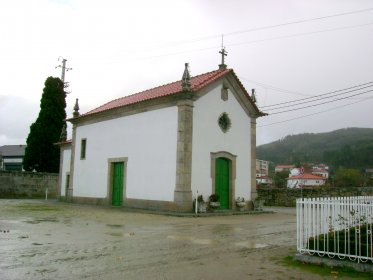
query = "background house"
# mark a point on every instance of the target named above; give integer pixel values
(11, 157)
(320, 172)
(264, 180)
(282, 168)
(369, 172)
(262, 167)
(305, 180)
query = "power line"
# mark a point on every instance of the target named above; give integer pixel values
(297, 22)
(317, 97)
(318, 104)
(253, 42)
(313, 114)
(299, 34)
(262, 28)
(267, 86)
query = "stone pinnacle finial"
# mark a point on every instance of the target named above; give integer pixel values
(185, 83)
(76, 109)
(63, 136)
(253, 96)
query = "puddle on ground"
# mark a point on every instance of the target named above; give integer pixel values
(24, 236)
(120, 234)
(203, 241)
(192, 239)
(40, 220)
(222, 228)
(114, 226)
(117, 234)
(251, 245)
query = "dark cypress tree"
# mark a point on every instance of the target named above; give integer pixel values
(41, 154)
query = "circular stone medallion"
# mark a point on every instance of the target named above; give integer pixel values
(224, 122)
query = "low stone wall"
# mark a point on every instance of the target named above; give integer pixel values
(287, 197)
(14, 184)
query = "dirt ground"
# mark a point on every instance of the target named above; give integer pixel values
(54, 240)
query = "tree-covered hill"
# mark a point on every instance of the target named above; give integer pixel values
(350, 147)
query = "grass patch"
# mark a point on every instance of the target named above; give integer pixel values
(36, 207)
(324, 270)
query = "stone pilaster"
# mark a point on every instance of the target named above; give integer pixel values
(254, 193)
(60, 172)
(183, 189)
(69, 195)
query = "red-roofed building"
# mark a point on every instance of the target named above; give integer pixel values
(305, 180)
(156, 148)
(320, 172)
(283, 168)
(263, 180)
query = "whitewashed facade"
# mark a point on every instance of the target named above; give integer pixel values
(305, 180)
(168, 140)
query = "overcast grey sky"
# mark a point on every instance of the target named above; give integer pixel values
(285, 49)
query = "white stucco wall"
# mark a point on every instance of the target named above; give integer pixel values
(208, 137)
(297, 183)
(147, 139)
(66, 154)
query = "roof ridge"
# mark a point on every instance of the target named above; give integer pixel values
(218, 71)
(130, 95)
(306, 175)
(194, 87)
(167, 84)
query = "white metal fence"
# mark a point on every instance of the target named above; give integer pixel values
(336, 227)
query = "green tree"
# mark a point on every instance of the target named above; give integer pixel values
(41, 154)
(348, 177)
(279, 179)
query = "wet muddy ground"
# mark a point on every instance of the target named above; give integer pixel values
(53, 240)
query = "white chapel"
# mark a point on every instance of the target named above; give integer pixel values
(157, 148)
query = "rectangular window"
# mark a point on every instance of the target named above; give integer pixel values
(83, 147)
(67, 180)
(67, 184)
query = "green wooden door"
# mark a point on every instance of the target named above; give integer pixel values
(222, 181)
(117, 194)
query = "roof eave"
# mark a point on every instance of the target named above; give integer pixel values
(134, 107)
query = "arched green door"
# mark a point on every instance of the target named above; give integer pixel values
(222, 181)
(117, 194)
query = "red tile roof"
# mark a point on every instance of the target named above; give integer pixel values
(197, 83)
(263, 177)
(284, 166)
(320, 170)
(66, 142)
(306, 176)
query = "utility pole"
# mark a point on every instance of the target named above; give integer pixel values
(64, 69)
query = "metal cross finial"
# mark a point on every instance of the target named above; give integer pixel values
(223, 53)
